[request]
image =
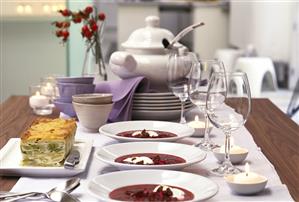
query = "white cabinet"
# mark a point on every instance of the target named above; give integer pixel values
(212, 36)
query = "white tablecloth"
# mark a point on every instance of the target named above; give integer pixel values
(275, 190)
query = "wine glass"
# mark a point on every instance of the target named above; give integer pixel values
(179, 66)
(200, 76)
(228, 106)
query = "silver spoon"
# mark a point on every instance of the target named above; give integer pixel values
(57, 196)
(65, 187)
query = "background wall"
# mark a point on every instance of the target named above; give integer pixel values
(265, 25)
(29, 51)
(131, 17)
(76, 46)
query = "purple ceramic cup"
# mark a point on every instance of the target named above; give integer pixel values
(67, 90)
(66, 108)
(64, 99)
(82, 80)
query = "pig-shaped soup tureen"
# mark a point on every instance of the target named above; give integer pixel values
(144, 55)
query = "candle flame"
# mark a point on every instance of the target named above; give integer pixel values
(185, 88)
(232, 142)
(37, 93)
(247, 169)
(196, 118)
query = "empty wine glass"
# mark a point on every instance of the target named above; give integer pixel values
(228, 106)
(179, 66)
(200, 76)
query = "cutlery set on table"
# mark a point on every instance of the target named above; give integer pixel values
(59, 193)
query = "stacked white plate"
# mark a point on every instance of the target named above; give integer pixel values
(157, 106)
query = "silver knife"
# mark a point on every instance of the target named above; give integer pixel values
(72, 159)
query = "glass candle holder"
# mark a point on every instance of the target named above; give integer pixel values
(39, 102)
(49, 87)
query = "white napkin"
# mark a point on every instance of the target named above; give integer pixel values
(275, 190)
(273, 193)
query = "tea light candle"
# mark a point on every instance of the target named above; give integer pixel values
(246, 182)
(38, 100)
(234, 149)
(199, 126)
(248, 177)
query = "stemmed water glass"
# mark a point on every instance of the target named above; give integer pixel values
(179, 66)
(228, 106)
(200, 76)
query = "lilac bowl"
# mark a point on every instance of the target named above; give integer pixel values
(64, 99)
(66, 108)
(67, 90)
(82, 80)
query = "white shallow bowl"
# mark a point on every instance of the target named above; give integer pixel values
(112, 129)
(136, 107)
(160, 98)
(246, 189)
(161, 115)
(202, 187)
(191, 154)
(166, 104)
(234, 158)
(153, 94)
(161, 101)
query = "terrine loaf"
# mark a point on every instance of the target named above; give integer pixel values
(47, 142)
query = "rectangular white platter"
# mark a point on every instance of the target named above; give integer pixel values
(11, 157)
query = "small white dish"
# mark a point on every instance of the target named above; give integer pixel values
(11, 157)
(112, 129)
(190, 154)
(235, 158)
(246, 188)
(201, 187)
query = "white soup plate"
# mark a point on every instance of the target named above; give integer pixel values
(190, 154)
(112, 129)
(201, 187)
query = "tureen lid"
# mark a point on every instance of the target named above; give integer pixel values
(149, 37)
